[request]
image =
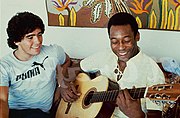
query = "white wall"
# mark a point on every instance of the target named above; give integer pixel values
(81, 42)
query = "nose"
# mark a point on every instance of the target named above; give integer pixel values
(121, 45)
(37, 39)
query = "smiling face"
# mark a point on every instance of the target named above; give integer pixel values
(123, 42)
(30, 45)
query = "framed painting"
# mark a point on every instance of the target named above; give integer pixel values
(149, 14)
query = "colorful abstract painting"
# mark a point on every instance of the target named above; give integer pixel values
(150, 14)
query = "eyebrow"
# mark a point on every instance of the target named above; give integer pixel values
(32, 34)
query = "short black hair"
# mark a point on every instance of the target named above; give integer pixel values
(123, 18)
(21, 24)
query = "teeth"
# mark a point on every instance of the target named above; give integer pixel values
(123, 53)
(35, 46)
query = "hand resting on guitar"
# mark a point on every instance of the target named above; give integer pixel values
(65, 78)
(129, 106)
(70, 93)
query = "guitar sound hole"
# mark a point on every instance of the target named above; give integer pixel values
(88, 98)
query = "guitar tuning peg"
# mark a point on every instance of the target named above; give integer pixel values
(158, 88)
(165, 97)
(162, 87)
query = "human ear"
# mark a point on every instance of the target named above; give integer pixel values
(137, 37)
(16, 43)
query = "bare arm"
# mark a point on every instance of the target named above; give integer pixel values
(65, 76)
(65, 66)
(4, 109)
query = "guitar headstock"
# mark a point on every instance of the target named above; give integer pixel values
(164, 92)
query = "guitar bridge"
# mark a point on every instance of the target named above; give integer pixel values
(68, 107)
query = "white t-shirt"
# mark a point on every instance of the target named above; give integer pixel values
(31, 83)
(141, 71)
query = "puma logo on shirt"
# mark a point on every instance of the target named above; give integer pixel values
(40, 64)
(33, 72)
(29, 74)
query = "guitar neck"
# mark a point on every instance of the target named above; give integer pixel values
(112, 95)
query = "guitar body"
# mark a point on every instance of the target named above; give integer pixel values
(80, 108)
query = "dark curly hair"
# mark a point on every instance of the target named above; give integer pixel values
(123, 18)
(21, 24)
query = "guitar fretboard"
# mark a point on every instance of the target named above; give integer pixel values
(112, 95)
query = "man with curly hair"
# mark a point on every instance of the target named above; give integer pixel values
(28, 74)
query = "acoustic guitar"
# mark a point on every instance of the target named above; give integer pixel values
(96, 97)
